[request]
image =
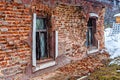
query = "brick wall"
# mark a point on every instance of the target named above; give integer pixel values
(100, 28)
(15, 26)
(15, 30)
(71, 23)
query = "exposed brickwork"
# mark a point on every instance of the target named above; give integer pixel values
(76, 69)
(69, 20)
(15, 23)
(71, 23)
(100, 28)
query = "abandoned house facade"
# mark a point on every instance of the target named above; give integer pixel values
(35, 33)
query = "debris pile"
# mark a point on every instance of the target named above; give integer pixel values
(86, 65)
(77, 69)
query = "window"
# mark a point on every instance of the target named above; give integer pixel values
(91, 41)
(44, 41)
(41, 39)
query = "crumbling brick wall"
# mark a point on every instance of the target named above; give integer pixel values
(15, 27)
(71, 23)
(16, 35)
(100, 28)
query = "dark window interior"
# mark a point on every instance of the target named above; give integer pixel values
(41, 39)
(91, 31)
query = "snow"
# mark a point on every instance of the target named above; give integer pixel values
(112, 43)
(117, 15)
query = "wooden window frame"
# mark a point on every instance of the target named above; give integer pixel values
(34, 61)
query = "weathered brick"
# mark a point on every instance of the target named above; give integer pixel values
(18, 1)
(4, 29)
(16, 22)
(72, 26)
(15, 26)
(11, 71)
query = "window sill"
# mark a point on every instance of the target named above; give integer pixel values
(44, 65)
(44, 60)
(92, 51)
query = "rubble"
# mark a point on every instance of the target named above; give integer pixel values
(76, 70)
(86, 65)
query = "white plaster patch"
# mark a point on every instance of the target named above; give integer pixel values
(4, 29)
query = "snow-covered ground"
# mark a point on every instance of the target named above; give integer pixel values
(112, 43)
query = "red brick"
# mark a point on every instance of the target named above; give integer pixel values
(70, 22)
(17, 19)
